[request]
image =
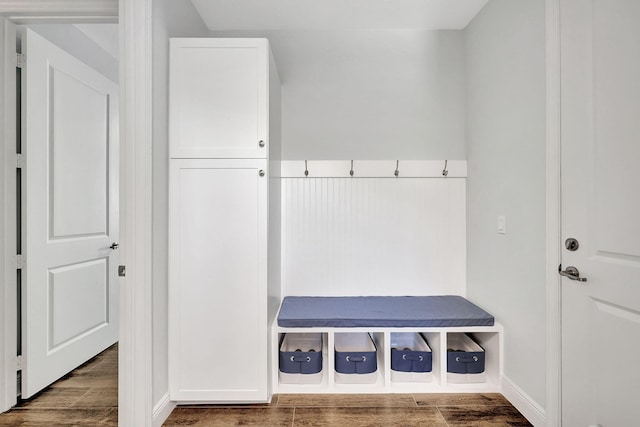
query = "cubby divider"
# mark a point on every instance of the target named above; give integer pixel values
(488, 337)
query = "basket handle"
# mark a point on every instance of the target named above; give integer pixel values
(413, 357)
(467, 359)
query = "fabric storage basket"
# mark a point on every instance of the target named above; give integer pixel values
(355, 358)
(411, 357)
(465, 359)
(410, 352)
(301, 358)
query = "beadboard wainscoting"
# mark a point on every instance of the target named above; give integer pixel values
(373, 236)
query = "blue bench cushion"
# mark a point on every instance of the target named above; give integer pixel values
(381, 311)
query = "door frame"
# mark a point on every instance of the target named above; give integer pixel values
(553, 404)
(135, 334)
(135, 383)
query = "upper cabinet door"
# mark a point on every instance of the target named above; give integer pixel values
(219, 98)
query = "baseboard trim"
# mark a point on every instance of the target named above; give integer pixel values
(162, 410)
(531, 410)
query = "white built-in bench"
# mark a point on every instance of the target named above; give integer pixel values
(437, 318)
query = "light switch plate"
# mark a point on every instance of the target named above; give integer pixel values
(502, 225)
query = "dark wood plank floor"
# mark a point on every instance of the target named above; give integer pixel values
(299, 410)
(88, 396)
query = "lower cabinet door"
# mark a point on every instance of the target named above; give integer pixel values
(218, 280)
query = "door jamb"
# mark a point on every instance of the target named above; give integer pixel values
(553, 405)
(135, 348)
(136, 331)
(8, 221)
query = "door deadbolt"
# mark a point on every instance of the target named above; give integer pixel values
(571, 244)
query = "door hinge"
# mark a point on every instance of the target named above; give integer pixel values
(122, 270)
(19, 161)
(18, 363)
(20, 261)
(20, 60)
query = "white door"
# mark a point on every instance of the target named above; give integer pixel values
(219, 98)
(600, 106)
(70, 213)
(218, 280)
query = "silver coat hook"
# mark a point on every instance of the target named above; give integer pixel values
(445, 172)
(351, 171)
(306, 170)
(397, 171)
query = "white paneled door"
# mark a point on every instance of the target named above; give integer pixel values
(218, 292)
(225, 116)
(600, 104)
(70, 213)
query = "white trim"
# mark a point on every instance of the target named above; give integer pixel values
(528, 407)
(62, 11)
(135, 349)
(553, 218)
(374, 168)
(8, 277)
(135, 362)
(67, 19)
(59, 8)
(162, 410)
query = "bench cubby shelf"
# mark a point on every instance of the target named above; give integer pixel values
(489, 337)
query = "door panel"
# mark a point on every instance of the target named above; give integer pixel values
(78, 111)
(70, 213)
(218, 91)
(231, 120)
(600, 103)
(218, 280)
(86, 282)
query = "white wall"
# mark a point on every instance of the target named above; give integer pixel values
(373, 236)
(171, 19)
(369, 94)
(76, 42)
(505, 62)
(410, 94)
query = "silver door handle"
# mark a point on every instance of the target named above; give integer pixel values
(114, 246)
(572, 273)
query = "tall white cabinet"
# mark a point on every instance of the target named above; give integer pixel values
(224, 218)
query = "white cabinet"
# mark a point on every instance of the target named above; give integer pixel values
(218, 279)
(223, 219)
(219, 98)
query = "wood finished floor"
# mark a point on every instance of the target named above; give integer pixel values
(472, 410)
(88, 396)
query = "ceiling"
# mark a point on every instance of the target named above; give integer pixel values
(337, 14)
